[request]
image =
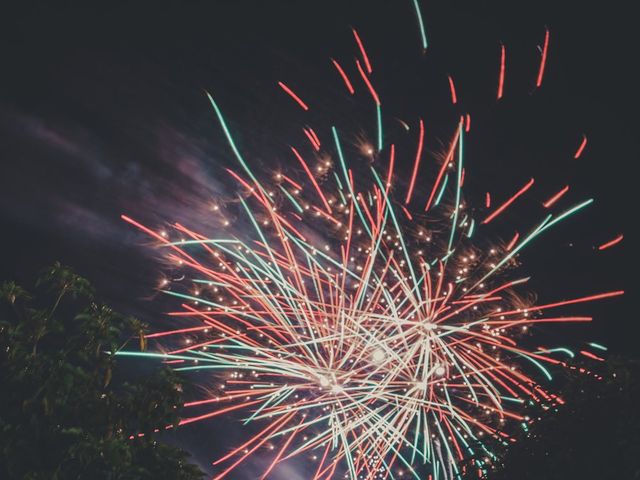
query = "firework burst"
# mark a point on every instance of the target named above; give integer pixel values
(356, 322)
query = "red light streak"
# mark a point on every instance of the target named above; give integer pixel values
(293, 95)
(556, 197)
(345, 79)
(452, 87)
(583, 144)
(372, 90)
(503, 55)
(506, 204)
(543, 59)
(611, 243)
(365, 57)
(416, 163)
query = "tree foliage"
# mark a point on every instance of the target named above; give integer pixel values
(595, 435)
(65, 411)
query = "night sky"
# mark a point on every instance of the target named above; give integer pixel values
(103, 112)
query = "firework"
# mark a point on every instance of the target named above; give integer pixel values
(348, 325)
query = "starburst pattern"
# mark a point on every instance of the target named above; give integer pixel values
(357, 323)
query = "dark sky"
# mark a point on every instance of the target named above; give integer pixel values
(102, 112)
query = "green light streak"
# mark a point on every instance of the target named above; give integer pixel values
(442, 189)
(458, 189)
(292, 200)
(423, 33)
(511, 399)
(598, 346)
(343, 164)
(338, 181)
(544, 225)
(471, 228)
(232, 143)
(536, 363)
(559, 349)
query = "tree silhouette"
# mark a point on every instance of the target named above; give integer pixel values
(65, 410)
(594, 435)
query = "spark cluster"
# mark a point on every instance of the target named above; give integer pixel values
(353, 321)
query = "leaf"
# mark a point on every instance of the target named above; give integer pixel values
(107, 376)
(143, 340)
(12, 292)
(59, 419)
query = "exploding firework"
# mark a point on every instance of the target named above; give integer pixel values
(356, 322)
